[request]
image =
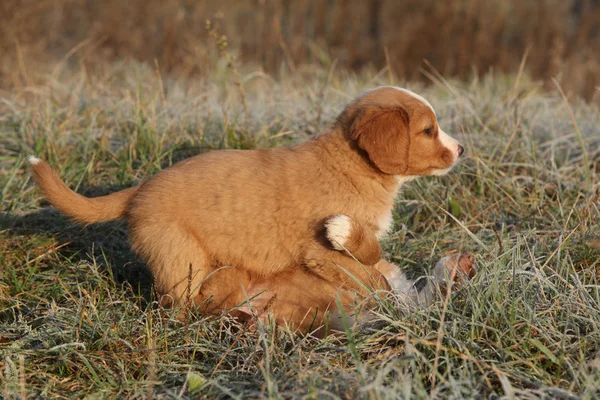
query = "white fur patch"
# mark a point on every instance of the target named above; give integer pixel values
(33, 160)
(404, 179)
(449, 142)
(384, 224)
(440, 172)
(338, 230)
(416, 96)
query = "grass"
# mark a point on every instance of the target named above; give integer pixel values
(76, 311)
(458, 37)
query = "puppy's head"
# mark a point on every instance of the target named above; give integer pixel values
(398, 131)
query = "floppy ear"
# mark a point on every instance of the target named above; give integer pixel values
(383, 134)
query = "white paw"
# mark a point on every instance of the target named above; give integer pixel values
(33, 160)
(338, 230)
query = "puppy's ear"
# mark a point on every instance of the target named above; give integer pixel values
(383, 134)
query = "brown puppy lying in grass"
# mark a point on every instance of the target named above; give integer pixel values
(263, 213)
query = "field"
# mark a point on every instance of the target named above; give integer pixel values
(76, 311)
(458, 37)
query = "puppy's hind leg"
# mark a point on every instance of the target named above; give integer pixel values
(177, 261)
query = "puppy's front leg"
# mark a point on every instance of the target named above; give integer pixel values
(414, 288)
(348, 236)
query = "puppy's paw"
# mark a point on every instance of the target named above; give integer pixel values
(457, 267)
(337, 230)
(356, 240)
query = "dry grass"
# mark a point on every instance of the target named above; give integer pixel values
(76, 311)
(458, 37)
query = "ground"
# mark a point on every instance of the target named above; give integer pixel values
(77, 316)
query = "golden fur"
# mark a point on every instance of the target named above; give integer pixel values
(262, 213)
(306, 301)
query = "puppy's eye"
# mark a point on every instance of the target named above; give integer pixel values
(428, 131)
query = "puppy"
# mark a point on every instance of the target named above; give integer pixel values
(412, 286)
(260, 214)
(306, 303)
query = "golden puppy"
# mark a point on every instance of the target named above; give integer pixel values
(307, 303)
(262, 213)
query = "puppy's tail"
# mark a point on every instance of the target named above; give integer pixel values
(80, 208)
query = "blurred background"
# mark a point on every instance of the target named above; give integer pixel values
(459, 38)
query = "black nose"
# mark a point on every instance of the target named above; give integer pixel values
(461, 150)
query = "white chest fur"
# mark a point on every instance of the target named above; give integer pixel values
(384, 222)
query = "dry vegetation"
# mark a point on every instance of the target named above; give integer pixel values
(458, 37)
(77, 316)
